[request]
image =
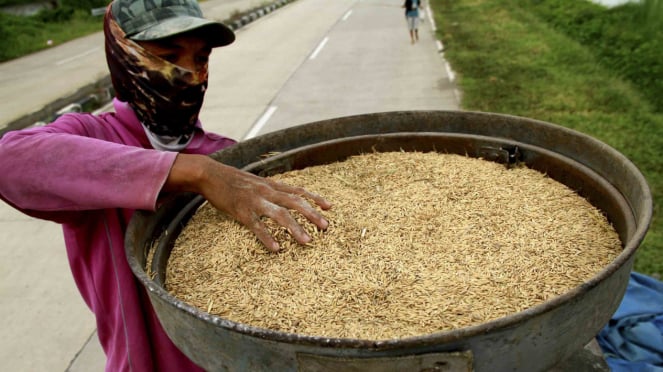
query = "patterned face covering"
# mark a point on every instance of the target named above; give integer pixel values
(165, 97)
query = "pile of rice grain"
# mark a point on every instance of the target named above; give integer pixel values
(417, 243)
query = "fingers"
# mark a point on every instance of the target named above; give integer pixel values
(283, 217)
(317, 199)
(248, 197)
(302, 194)
(262, 233)
(295, 200)
(279, 210)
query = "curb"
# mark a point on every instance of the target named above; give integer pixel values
(243, 19)
(97, 94)
(440, 50)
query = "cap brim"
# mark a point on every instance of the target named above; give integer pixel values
(217, 33)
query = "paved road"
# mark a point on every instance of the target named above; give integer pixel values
(31, 82)
(310, 60)
(318, 60)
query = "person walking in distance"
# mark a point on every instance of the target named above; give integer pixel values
(412, 18)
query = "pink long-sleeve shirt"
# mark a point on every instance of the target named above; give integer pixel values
(89, 173)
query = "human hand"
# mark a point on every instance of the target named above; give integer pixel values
(247, 197)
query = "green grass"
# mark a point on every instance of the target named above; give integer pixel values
(627, 39)
(20, 35)
(509, 59)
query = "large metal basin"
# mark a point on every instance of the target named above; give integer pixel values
(533, 340)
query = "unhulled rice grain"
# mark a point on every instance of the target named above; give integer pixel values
(417, 243)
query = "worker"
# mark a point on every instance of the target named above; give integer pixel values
(91, 172)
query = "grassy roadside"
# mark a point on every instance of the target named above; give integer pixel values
(510, 60)
(21, 35)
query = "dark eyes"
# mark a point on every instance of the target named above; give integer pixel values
(202, 59)
(172, 57)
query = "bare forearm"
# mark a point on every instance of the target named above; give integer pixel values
(187, 173)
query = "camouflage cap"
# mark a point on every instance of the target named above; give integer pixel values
(158, 19)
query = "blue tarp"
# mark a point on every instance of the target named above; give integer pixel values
(633, 339)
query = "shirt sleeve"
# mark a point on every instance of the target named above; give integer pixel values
(61, 168)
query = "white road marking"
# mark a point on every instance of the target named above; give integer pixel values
(261, 122)
(347, 15)
(450, 72)
(319, 48)
(77, 56)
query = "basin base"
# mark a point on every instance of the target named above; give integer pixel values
(588, 359)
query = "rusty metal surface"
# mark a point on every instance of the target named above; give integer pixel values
(532, 340)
